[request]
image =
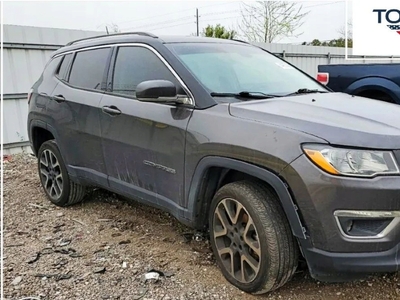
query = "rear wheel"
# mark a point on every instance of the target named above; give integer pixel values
(54, 177)
(251, 239)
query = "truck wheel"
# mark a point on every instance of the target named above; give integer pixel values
(54, 177)
(251, 239)
(377, 95)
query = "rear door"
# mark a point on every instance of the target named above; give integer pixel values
(75, 112)
(143, 143)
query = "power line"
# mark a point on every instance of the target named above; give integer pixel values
(156, 16)
(323, 4)
(221, 12)
(172, 26)
(226, 18)
(184, 10)
(224, 2)
(158, 23)
(179, 19)
(171, 21)
(172, 13)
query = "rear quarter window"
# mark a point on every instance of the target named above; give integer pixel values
(52, 66)
(62, 70)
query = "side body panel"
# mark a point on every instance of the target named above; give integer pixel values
(144, 148)
(77, 123)
(214, 133)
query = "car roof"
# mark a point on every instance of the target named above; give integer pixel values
(139, 37)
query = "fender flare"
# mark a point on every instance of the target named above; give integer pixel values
(273, 180)
(375, 83)
(35, 124)
(46, 126)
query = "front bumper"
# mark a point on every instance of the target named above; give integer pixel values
(331, 254)
(339, 267)
(319, 196)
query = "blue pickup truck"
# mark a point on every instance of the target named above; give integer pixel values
(376, 81)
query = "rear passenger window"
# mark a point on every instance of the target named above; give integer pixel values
(136, 64)
(62, 71)
(51, 66)
(88, 68)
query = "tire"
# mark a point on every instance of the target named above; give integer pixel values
(59, 189)
(278, 252)
(377, 95)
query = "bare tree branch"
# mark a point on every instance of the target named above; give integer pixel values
(114, 28)
(342, 30)
(270, 21)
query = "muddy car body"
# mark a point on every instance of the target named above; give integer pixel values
(228, 139)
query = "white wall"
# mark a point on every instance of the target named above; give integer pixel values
(27, 50)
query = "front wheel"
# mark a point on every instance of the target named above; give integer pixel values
(251, 239)
(54, 177)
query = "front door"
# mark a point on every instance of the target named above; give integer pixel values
(143, 143)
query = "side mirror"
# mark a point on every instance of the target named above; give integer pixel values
(160, 91)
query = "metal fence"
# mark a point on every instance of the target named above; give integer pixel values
(308, 58)
(27, 50)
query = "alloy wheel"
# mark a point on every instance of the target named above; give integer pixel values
(236, 240)
(50, 171)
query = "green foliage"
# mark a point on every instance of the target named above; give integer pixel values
(340, 42)
(219, 32)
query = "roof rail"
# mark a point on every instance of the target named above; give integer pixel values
(240, 41)
(113, 34)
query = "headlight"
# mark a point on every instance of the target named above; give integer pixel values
(352, 162)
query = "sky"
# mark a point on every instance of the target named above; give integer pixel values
(323, 22)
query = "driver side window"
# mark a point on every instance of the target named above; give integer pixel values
(134, 65)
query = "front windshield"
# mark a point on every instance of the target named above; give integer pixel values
(233, 68)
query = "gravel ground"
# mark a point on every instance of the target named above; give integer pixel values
(101, 249)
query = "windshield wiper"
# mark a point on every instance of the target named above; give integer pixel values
(305, 91)
(244, 94)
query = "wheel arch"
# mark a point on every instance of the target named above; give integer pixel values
(41, 132)
(210, 175)
(378, 84)
(38, 134)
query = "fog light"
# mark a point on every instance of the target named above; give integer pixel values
(367, 224)
(363, 227)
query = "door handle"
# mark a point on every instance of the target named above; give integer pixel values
(111, 110)
(58, 98)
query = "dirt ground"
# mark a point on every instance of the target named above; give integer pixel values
(101, 249)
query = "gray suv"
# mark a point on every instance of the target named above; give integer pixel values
(231, 140)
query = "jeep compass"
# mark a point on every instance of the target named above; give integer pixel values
(230, 140)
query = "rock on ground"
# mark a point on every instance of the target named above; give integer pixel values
(101, 248)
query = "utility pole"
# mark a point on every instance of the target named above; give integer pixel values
(197, 21)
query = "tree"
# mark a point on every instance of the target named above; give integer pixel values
(112, 28)
(342, 30)
(219, 32)
(339, 42)
(270, 21)
(342, 33)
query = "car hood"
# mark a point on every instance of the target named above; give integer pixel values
(338, 118)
